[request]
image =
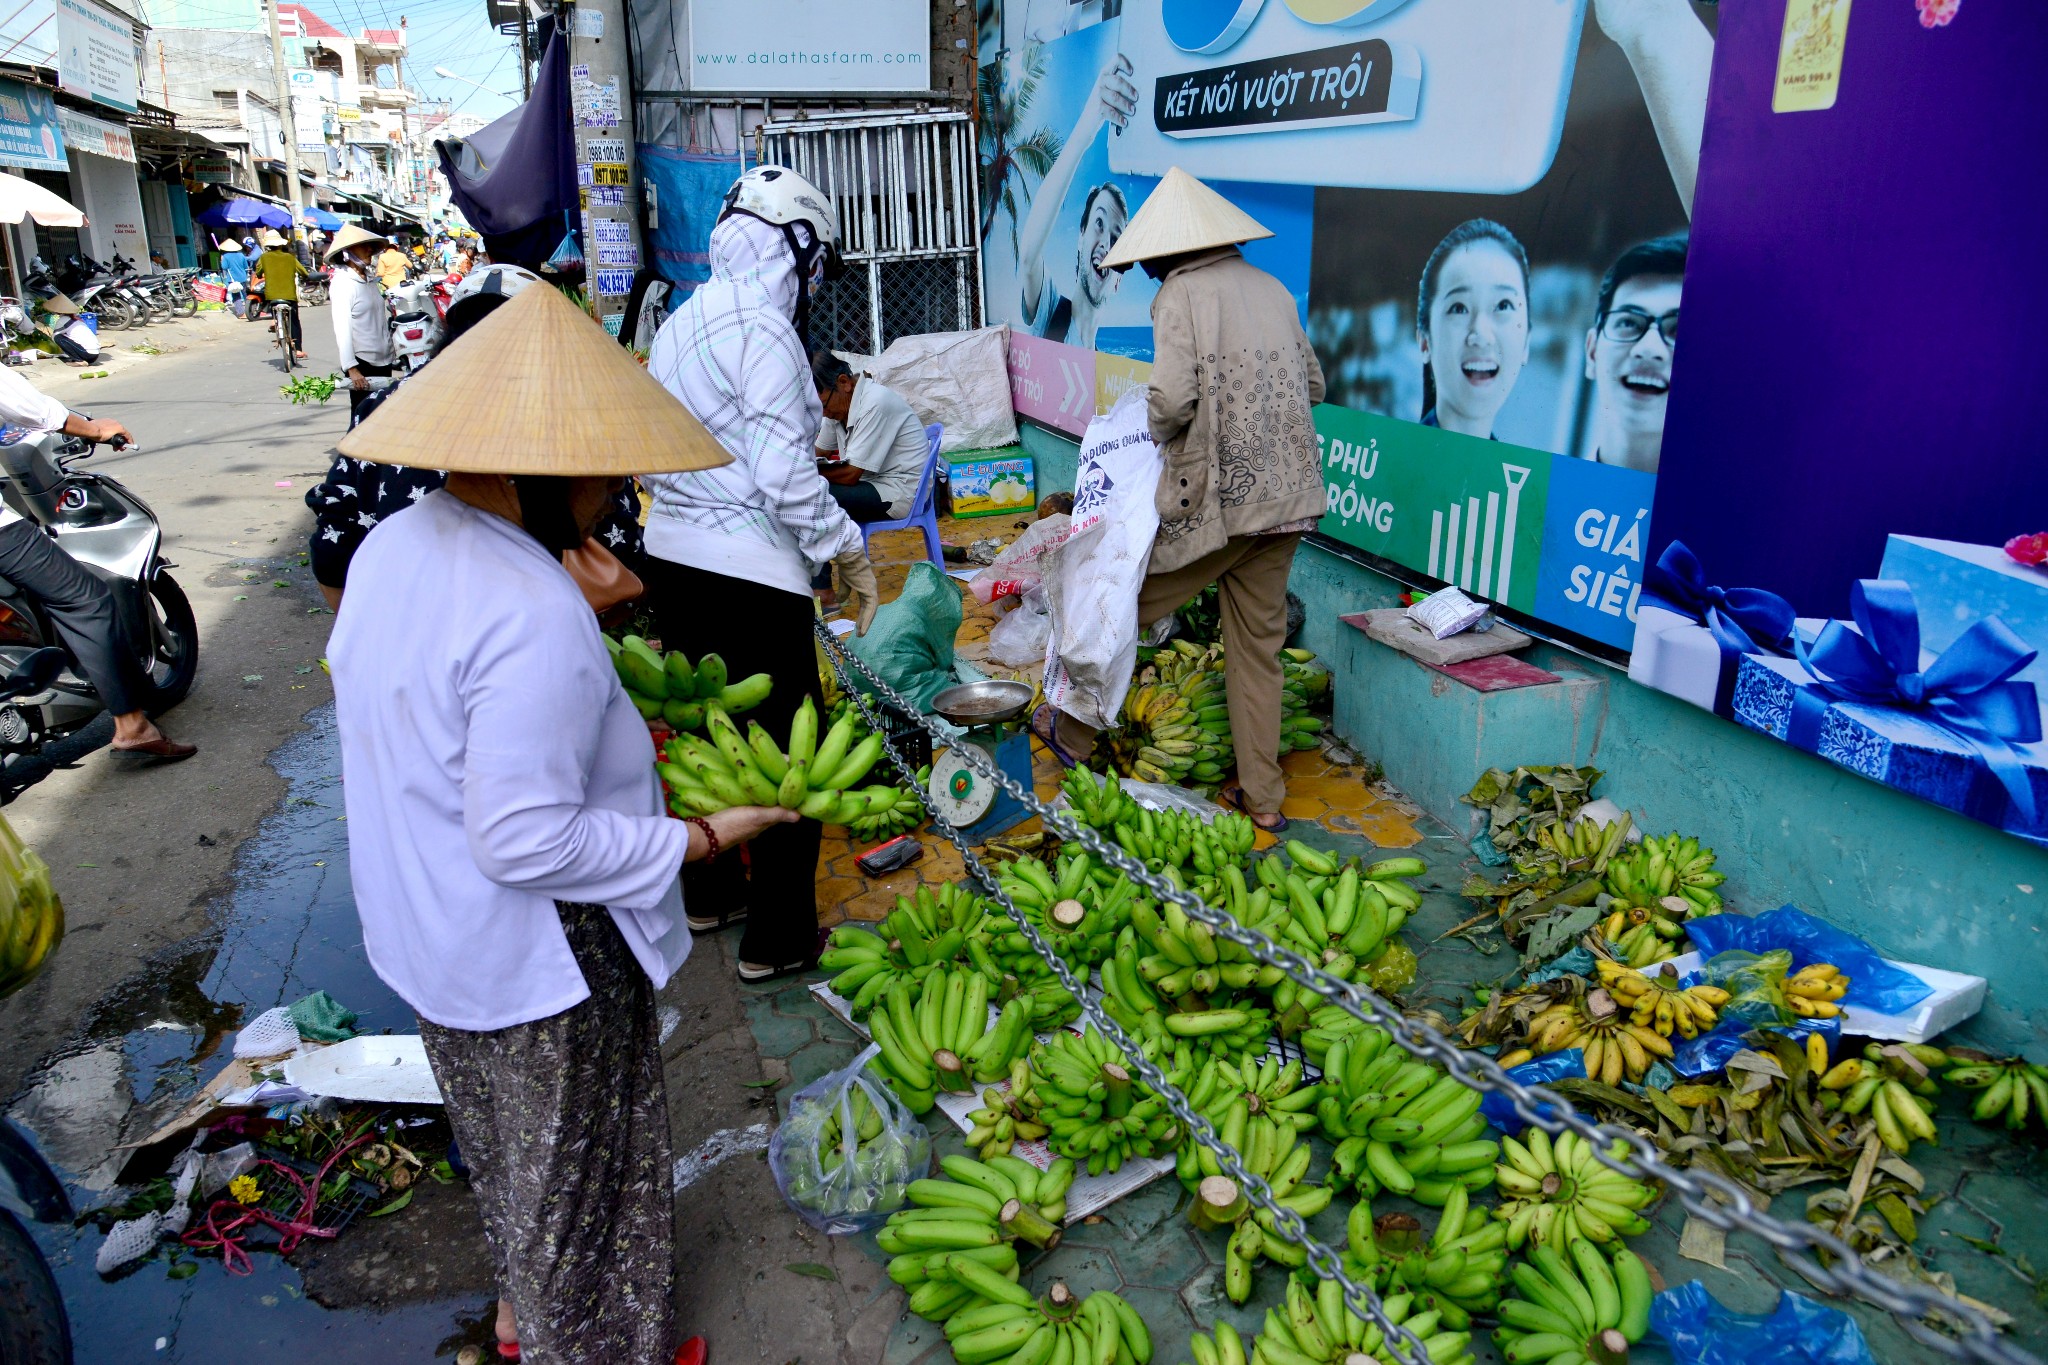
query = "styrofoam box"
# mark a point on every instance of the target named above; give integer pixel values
(1956, 997)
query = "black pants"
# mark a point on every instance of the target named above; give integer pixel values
(298, 337)
(755, 629)
(73, 351)
(356, 398)
(82, 608)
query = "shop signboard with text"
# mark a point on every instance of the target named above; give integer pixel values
(96, 54)
(752, 46)
(30, 135)
(1481, 207)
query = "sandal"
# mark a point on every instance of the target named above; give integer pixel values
(1043, 726)
(1235, 798)
(711, 924)
(753, 973)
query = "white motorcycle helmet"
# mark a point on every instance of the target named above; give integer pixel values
(501, 281)
(778, 195)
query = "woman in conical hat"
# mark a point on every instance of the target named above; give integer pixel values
(514, 869)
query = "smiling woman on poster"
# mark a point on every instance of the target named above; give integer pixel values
(1104, 212)
(1472, 323)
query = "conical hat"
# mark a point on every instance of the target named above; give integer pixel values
(61, 305)
(536, 388)
(352, 234)
(1181, 215)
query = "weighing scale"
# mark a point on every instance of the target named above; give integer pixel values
(970, 800)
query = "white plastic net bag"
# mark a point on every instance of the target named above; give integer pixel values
(270, 1034)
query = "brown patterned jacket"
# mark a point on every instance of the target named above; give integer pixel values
(1233, 378)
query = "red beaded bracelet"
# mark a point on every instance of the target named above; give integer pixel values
(710, 835)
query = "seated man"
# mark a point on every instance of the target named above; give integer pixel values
(879, 442)
(78, 343)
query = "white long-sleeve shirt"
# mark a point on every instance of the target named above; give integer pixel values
(362, 324)
(27, 407)
(493, 766)
(733, 359)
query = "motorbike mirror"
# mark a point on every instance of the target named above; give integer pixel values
(33, 674)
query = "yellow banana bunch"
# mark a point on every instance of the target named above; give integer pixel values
(1642, 936)
(1659, 1002)
(1813, 990)
(1616, 1047)
(31, 915)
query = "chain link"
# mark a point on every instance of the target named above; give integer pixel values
(1714, 1199)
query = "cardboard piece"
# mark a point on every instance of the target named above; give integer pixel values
(386, 1069)
(1393, 627)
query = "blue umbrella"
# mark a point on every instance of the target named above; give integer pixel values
(231, 213)
(320, 218)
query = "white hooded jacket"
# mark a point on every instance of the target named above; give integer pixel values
(731, 355)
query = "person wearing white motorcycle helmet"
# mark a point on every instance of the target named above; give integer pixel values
(731, 551)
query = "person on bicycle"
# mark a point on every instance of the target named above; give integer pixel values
(280, 273)
(80, 604)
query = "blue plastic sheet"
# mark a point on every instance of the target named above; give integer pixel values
(1577, 962)
(1712, 1049)
(1874, 983)
(1499, 1111)
(1700, 1331)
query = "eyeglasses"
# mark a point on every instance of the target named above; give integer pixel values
(1629, 324)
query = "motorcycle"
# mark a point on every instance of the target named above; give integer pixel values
(111, 531)
(93, 290)
(417, 307)
(33, 1327)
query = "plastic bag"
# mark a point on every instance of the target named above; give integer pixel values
(1499, 1110)
(322, 1018)
(1393, 971)
(31, 916)
(1023, 562)
(272, 1033)
(1874, 984)
(1094, 584)
(853, 1184)
(1711, 1050)
(1021, 637)
(910, 643)
(1700, 1331)
(1755, 983)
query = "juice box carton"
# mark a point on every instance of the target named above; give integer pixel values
(989, 483)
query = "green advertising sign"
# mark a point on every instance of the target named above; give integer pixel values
(1458, 508)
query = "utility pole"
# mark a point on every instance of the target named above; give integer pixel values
(284, 109)
(601, 104)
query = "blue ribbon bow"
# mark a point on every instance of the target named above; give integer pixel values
(1967, 691)
(1741, 620)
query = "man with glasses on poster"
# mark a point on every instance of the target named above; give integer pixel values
(1628, 352)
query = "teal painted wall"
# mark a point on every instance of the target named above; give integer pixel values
(1054, 458)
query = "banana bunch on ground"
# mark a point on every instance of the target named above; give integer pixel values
(1811, 992)
(1094, 1109)
(1223, 1346)
(1017, 1328)
(2013, 1088)
(1662, 867)
(1894, 1085)
(1400, 1124)
(979, 1219)
(1078, 913)
(1574, 1305)
(1181, 841)
(676, 692)
(1266, 1088)
(1556, 1193)
(1099, 801)
(31, 915)
(812, 776)
(1642, 936)
(1459, 1269)
(1658, 1002)
(1176, 723)
(1166, 1020)
(1318, 1327)
(1326, 1024)
(1617, 1048)
(940, 1037)
(924, 933)
(1277, 1154)
(1008, 1115)
(1343, 921)
(1581, 841)
(1187, 955)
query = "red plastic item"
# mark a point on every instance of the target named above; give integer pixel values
(692, 1352)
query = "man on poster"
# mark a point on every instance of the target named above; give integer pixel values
(1628, 352)
(1104, 212)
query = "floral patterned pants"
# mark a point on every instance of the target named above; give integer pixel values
(564, 1125)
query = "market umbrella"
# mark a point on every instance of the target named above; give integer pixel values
(21, 199)
(230, 213)
(320, 218)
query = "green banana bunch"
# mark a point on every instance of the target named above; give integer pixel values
(1318, 1327)
(1093, 1108)
(1326, 1024)
(1221, 1347)
(1098, 802)
(1004, 1201)
(1269, 1144)
(813, 777)
(1014, 1328)
(924, 933)
(1008, 1115)
(1342, 917)
(2013, 1087)
(1182, 841)
(1458, 1271)
(1558, 1193)
(1894, 1085)
(1573, 1304)
(938, 1037)
(1078, 913)
(901, 816)
(1584, 841)
(1662, 867)
(1400, 1124)
(31, 915)
(672, 690)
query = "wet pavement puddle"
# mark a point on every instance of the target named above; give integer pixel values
(287, 927)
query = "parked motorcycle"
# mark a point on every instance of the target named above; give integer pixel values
(33, 1326)
(88, 286)
(417, 307)
(110, 530)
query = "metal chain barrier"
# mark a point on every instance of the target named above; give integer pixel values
(1714, 1199)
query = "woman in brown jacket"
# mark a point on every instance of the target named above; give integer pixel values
(1233, 380)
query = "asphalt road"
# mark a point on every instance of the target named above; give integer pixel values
(225, 461)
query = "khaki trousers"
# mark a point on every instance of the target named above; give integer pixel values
(1251, 577)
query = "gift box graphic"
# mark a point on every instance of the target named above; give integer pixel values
(1957, 584)
(1691, 636)
(1959, 732)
